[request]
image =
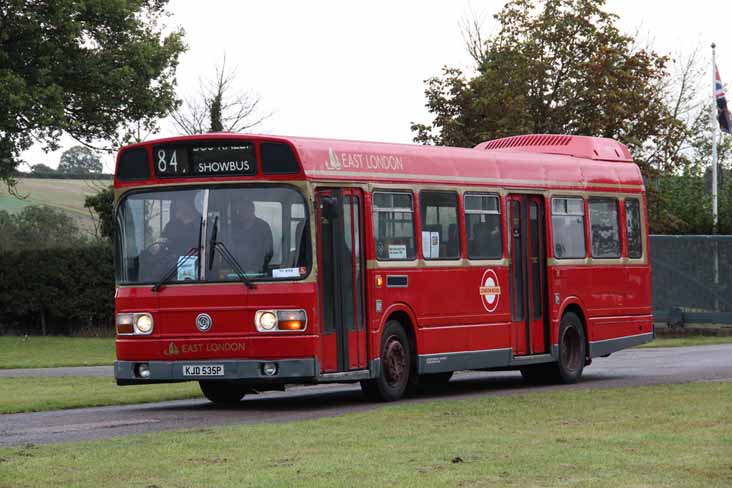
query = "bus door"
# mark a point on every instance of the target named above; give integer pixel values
(527, 231)
(341, 270)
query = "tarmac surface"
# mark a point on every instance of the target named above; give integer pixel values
(634, 367)
(56, 372)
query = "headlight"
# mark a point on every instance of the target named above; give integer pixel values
(280, 320)
(265, 320)
(134, 323)
(291, 319)
(124, 323)
(143, 323)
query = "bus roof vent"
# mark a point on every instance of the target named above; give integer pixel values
(577, 146)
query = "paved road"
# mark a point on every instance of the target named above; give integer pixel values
(627, 368)
(107, 371)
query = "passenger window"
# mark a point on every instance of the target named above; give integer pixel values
(483, 226)
(604, 228)
(568, 228)
(394, 226)
(439, 223)
(633, 228)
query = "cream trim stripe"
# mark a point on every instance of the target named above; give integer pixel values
(467, 179)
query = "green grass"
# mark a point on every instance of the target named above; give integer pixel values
(36, 394)
(66, 195)
(670, 436)
(687, 341)
(49, 352)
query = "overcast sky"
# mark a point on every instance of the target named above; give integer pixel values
(356, 70)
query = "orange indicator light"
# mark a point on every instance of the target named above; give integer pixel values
(291, 325)
(125, 328)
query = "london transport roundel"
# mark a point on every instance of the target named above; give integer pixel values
(490, 290)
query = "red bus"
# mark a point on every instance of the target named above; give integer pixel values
(251, 262)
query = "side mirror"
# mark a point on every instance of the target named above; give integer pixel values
(329, 208)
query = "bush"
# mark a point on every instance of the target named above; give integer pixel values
(56, 291)
(36, 227)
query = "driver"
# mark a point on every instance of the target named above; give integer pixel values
(251, 237)
(182, 231)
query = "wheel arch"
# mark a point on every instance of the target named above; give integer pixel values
(574, 305)
(402, 313)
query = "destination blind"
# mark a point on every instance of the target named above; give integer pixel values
(205, 159)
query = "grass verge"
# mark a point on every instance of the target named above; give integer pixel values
(671, 436)
(687, 341)
(50, 352)
(38, 394)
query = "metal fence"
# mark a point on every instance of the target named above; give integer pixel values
(692, 278)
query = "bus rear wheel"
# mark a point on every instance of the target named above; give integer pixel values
(572, 349)
(572, 356)
(396, 366)
(223, 392)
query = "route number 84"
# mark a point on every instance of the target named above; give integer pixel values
(163, 164)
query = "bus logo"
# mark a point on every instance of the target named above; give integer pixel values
(332, 162)
(172, 350)
(490, 290)
(204, 322)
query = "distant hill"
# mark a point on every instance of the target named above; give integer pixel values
(63, 194)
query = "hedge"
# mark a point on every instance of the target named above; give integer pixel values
(56, 291)
(64, 176)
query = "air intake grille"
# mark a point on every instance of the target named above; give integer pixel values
(528, 140)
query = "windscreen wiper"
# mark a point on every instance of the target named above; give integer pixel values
(194, 251)
(214, 244)
(180, 262)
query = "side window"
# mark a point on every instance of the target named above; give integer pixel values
(483, 226)
(604, 228)
(394, 226)
(568, 228)
(439, 224)
(633, 226)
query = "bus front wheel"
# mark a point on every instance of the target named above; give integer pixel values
(222, 392)
(396, 365)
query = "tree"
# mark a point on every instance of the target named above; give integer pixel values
(89, 69)
(42, 169)
(220, 106)
(38, 227)
(102, 203)
(554, 66)
(79, 160)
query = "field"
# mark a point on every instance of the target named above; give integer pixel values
(36, 394)
(671, 436)
(66, 195)
(48, 352)
(687, 341)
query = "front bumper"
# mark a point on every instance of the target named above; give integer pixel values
(288, 370)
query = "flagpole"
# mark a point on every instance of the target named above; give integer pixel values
(714, 141)
(715, 124)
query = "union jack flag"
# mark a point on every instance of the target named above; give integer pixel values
(723, 115)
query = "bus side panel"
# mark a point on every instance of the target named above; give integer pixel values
(632, 314)
(617, 299)
(454, 316)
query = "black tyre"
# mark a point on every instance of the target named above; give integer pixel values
(396, 365)
(572, 349)
(223, 392)
(572, 356)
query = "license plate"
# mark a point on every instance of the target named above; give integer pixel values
(203, 370)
